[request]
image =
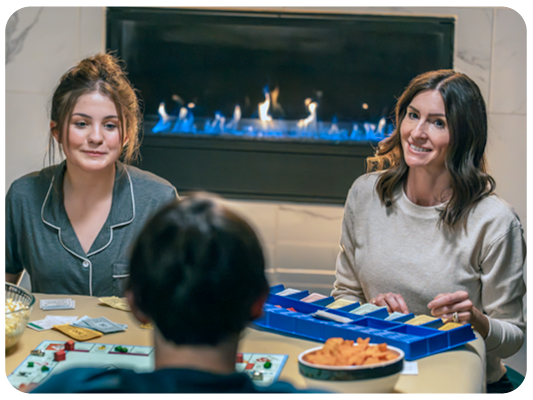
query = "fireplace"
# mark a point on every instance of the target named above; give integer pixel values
(270, 105)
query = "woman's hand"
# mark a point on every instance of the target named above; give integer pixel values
(458, 307)
(393, 302)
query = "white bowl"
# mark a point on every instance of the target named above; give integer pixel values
(374, 378)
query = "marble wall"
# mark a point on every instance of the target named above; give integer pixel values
(301, 240)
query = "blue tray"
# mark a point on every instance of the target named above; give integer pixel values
(416, 341)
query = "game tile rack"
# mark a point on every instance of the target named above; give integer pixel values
(417, 341)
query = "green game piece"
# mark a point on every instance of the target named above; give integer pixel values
(45, 368)
(121, 349)
(268, 364)
(30, 364)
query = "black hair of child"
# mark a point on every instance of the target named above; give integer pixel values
(196, 270)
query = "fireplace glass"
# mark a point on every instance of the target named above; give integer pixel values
(262, 104)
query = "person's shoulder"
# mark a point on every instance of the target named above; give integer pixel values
(363, 188)
(82, 380)
(32, 183)
(495, 209)
(149, 182)
(285, 387)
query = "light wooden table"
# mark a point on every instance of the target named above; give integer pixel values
(461, 370)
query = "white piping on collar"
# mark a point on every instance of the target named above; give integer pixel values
(111, 228)
(61, 240)
(122, 223)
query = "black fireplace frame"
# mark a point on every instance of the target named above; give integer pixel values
(258, 169)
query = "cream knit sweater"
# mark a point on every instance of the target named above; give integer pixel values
(400, 249)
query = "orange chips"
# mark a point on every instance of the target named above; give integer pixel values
(337, 351)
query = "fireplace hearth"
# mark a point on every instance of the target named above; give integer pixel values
(270, 105)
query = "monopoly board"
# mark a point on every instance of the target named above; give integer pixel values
(264, 369)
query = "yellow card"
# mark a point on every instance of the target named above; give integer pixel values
(420, 319)
(148, 325)
(340, 303)
(80, 334)
(120, 303)
(449, 326)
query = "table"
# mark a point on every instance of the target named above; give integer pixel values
(461, 370)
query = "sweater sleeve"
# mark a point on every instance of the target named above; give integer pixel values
(503, 288)
(347, 283)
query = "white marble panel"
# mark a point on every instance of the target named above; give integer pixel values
(92, 31)
(306, 258)
(473, 34)
(47, 49)
(262, 216)
(26, 134)
(314, 283)
(310, 223)
(508, 90)
(507, 159)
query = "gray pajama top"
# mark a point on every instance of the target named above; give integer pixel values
(40, 238)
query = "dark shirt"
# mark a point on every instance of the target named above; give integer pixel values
(96, 380)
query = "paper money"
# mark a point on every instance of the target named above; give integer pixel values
(120, 303)
(340, 303)
(449, 326)
(57, 304)
(321, 314)
(101, 324)
(313, 297)
(366, 308)
(420, 319)
(80, 334)
(104, 325)
(49, 321)
(394, 315)
(288, 291)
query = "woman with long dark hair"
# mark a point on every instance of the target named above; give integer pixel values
(424, 231)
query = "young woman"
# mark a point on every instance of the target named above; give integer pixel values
(425, 233)
(70, 225)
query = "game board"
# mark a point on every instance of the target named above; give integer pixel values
(264, 369)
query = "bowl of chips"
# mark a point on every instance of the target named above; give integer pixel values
(19, 303)
(352, 366)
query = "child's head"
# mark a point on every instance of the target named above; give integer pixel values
(197, 271)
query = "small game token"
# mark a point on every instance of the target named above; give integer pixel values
(101, 348)
(59, 355)
(268, 364)
(39, 353)
(30, 364)
(69, 345)
(121, 349)
(239, 358)
(44, 368)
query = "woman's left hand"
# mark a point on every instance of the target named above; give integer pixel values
(458, 307)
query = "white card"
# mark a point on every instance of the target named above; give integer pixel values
(410, 368)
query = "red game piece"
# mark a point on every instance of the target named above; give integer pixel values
(69, 345)
(239, 358)
(59, 355)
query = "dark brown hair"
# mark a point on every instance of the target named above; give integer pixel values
(101, 73)
(465, 160)
(196, 269)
